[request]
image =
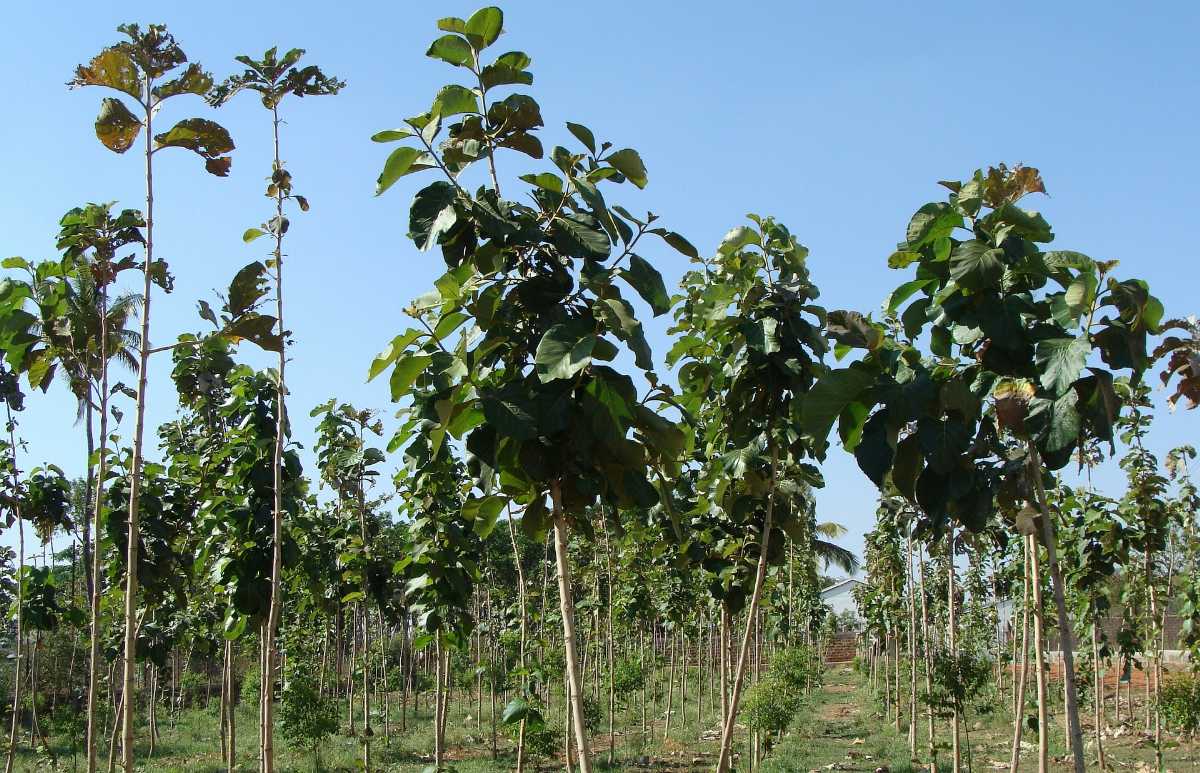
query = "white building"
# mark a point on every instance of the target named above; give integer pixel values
(839, 597)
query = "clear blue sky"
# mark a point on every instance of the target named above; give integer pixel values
(838, 120)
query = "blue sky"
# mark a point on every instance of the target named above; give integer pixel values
(838, 120)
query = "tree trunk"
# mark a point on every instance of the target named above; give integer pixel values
(135, 465)
(567, 607)
(723, 762)
(953, 644)
(1039, 651)
(1066, 635)
(1019, 703)
(18, 645)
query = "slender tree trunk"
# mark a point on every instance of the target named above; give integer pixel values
(953, 644)
(97, 503)
(912, 649)
(567, 607)
(1066, 635)
(512, 536)
(438, 752)
(723, 762)
(1099, 696)
(928, 642)
(1039, 651)
(135, 467)
(1019, 702)
(19, 644)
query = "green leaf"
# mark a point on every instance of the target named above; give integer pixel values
(205, 138)
(392, 135)
(193, 80)
(547, 181)
(579, 235)
(830, 396)
(483, 512)
(627, 327)
(454, 100)
(975, 266)
(1060, 361)
(405, 373)
(401, 162)
(484, 26)
(516, 710)
(736, 239)
(116, 127)
(902, 259)
(904, 292)
(393, 350)
(583, 134)
(432, 214)
(681, 245)
(629, 163)
(452, 49)
(648, 282)
(252, 233)
(931, 222)
(564, 350)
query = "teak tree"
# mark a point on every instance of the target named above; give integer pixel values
(91, 239)
(141, 69)
(527, 385)
(1013, 335)
(273, 78)
(752, 345)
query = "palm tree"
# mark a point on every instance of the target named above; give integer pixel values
(830, 553)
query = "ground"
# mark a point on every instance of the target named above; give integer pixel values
(840, 727)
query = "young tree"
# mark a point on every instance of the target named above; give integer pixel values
(1013, 339)
(752, 345)
(527, 385)
(273, 78)
(140, 69)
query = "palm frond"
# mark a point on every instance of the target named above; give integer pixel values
(837, 556)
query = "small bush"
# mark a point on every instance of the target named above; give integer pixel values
(769, 706)
(249, 693)
(306, 717)
(797, 667)
(1180, 703)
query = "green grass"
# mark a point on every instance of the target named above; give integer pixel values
(841, 724)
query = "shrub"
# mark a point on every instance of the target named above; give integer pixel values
(305, 716)
(628, 677)
(796, 667)
(251, 686)
(1180, 702)
(770, 705)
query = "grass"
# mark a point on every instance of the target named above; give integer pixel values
(840, 727)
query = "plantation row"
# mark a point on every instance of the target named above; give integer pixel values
(582, 546)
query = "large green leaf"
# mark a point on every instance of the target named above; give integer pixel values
(579, 235)
(484, 26)
(205, 138)
(116, 127)
(405, 372)
(483, 512)
(648, 282)
(1060, 361)
(402, 161)
(976, 266)
(629, 163)
(452, 49)
(830, 395)
(737, 238)
(564, 350)
(432, 214)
